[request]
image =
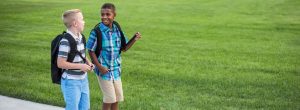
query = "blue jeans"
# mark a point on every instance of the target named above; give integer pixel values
(76, 93)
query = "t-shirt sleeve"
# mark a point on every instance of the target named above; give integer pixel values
(92, 41)
(64, 48)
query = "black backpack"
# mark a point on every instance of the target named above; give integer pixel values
(55, 71)
(99, 36)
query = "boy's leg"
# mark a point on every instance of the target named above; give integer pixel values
(84, 103)
(106, 106)
(71, 92)
(119, 94)
(108, 90)
(118, 90)
(114, 106)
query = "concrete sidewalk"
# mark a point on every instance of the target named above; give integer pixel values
(8, 103)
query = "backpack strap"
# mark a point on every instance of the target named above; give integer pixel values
(123, 40)
(73, 47)
(84, 43)
(83, 40)
(99, 39)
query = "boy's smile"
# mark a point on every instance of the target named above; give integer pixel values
(107, 17)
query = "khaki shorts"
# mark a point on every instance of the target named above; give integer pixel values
(112, 91)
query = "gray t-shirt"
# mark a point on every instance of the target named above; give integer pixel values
(64, 50)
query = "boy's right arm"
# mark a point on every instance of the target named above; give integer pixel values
(90, 45)
(95, 61)
(63, 52)
(62, 63)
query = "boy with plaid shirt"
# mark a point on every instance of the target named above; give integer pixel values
(108, 63)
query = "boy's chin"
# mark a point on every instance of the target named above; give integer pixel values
(106, 23)
(81, 31)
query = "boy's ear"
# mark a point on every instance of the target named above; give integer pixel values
(74, 23)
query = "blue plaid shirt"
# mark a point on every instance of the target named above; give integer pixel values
(109, 56)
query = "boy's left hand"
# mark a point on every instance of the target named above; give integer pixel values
(138, 35)
(91, 65)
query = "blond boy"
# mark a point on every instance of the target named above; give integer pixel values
(74, 81)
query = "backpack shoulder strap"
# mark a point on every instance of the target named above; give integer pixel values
(118, 25)
(99, 39)
(84, 43)
(83, 40)
(73, 47)
(123, 40)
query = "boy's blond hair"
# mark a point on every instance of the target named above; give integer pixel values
(69, 16)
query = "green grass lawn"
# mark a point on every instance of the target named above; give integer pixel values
(195, 54)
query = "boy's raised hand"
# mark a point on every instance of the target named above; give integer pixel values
(138, 35)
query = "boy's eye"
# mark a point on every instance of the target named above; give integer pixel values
(105, 14)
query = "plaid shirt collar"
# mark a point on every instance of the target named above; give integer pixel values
(106, 29)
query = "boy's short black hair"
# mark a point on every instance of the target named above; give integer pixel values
(109, 6)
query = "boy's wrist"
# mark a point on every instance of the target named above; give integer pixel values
(100, 67)
(80, 66)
